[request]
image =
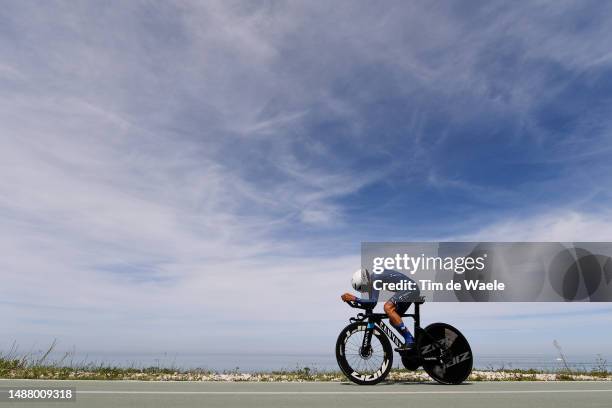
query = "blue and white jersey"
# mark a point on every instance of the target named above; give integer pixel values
(396, 284)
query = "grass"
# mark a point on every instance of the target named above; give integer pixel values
(27, 366)
(22, 369)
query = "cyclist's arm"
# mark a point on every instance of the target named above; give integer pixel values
(372, 299)
(349, 297)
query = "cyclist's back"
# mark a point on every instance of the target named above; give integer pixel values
(404, 289)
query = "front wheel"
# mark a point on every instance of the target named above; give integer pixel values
(445, 353)
(363, 367)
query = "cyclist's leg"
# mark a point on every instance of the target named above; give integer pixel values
(397, 305)
(394, 308)
(392, 311)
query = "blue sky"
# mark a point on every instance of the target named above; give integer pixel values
(171, 170)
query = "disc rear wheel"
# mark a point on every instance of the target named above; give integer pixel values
(445, 353)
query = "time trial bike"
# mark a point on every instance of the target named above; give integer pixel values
(365, 355)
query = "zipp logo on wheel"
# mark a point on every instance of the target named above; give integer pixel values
(459, 359)
(371, 377)
(433, 346)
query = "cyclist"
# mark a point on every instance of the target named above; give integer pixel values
(363, 282)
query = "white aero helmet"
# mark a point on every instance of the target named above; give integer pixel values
(361, 280)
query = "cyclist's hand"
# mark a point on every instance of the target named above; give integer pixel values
(347, 297)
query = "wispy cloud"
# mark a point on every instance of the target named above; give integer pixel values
(161, 160)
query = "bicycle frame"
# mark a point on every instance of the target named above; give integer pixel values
(436, 347)
(377, 319)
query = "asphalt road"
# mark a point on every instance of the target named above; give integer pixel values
(230, 395)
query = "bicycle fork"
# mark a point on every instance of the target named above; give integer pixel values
(366, 348)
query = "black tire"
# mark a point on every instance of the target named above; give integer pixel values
(355, 367)
(451, 362)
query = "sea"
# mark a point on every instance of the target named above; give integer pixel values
(268, 362)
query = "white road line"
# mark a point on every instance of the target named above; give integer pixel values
(338, 392)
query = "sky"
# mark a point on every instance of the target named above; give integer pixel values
(188, 176)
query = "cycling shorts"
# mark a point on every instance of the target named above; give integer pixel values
(403, 300)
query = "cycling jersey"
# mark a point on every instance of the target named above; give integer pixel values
(404, 289)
